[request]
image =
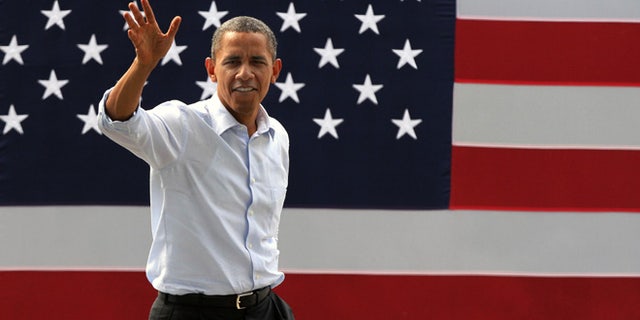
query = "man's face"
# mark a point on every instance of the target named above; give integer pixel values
(243, 69)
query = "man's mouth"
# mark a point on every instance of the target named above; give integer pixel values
(243, 89)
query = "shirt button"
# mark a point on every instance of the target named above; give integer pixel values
(253, 181)
(251, 213)
(250, 246)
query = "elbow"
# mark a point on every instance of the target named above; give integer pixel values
(118, 113)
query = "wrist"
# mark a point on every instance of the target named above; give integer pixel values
(143, 67)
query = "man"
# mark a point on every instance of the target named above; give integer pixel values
(218, 177)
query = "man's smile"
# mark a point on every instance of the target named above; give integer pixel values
(244, 89)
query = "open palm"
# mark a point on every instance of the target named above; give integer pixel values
(150, 42)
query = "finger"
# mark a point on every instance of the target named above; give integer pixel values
(132, 36)
(139, 18)
(148, 11)
(129, 19)
(173, 28)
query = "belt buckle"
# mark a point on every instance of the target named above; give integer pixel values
(238, 306)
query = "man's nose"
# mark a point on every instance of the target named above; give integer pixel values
(245, 72)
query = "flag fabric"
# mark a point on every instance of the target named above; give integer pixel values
(390, 97)
(449, 160)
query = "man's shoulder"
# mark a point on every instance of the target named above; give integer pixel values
(279, 132)
(177, 108)
(199, 107)
(277, 125)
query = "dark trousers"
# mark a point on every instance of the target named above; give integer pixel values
(271, 308)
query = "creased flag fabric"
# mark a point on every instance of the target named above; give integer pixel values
(449, 159)
(553, 106)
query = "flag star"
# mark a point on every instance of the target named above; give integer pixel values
(407, 55)
(406, 125)
(289, 89)
(212, 16)
(328, 124)
(122, 12)
(208, 88)
(92, 50)
(55, 16)
(90, 121)
(12, 120)
(13, 51)
(369, 20)
(291, 18)
(53, 85)
(367, 90)
(174, 54)
(328, 54)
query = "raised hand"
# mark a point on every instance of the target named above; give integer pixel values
(150, 42)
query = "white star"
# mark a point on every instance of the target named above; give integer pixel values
(328, 124)
(328, 54)
(55, 16)
(92, 50)
(13, 120)
(213, 16)
(368, 90)
(53, 85)
(369, 20)
(208, 88)
(407, 55)
(291, 18)
(289, 89)
(174, 54)
(122, 12)
(90, 121)
(406, 125)
(13, 51)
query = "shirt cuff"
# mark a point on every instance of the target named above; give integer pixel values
(102, 114)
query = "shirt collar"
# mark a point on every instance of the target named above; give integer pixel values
(223, 120)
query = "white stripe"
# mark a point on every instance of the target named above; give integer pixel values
(347, 241)
(546, 116)
(74, 237)
(550, 10)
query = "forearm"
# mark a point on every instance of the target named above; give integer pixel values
(125, 96)
(151, 45)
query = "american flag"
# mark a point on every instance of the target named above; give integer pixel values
(389, 94)
(440, 151)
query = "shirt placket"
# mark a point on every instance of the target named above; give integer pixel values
(253, 234)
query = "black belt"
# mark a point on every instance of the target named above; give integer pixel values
(237, 301)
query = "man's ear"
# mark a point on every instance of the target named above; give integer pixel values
(210, 65)
(277, 66)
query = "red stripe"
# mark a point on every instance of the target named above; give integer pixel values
(461, 297)
(75, 295)
(593, 53)
(127, 295)
(545, 179)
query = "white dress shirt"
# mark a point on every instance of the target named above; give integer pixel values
(216, 195)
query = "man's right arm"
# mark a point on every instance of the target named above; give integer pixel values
(151, 45)
(125, 96)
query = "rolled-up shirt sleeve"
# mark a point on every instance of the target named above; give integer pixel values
(155, 136)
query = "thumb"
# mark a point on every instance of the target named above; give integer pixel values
(173, 28)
